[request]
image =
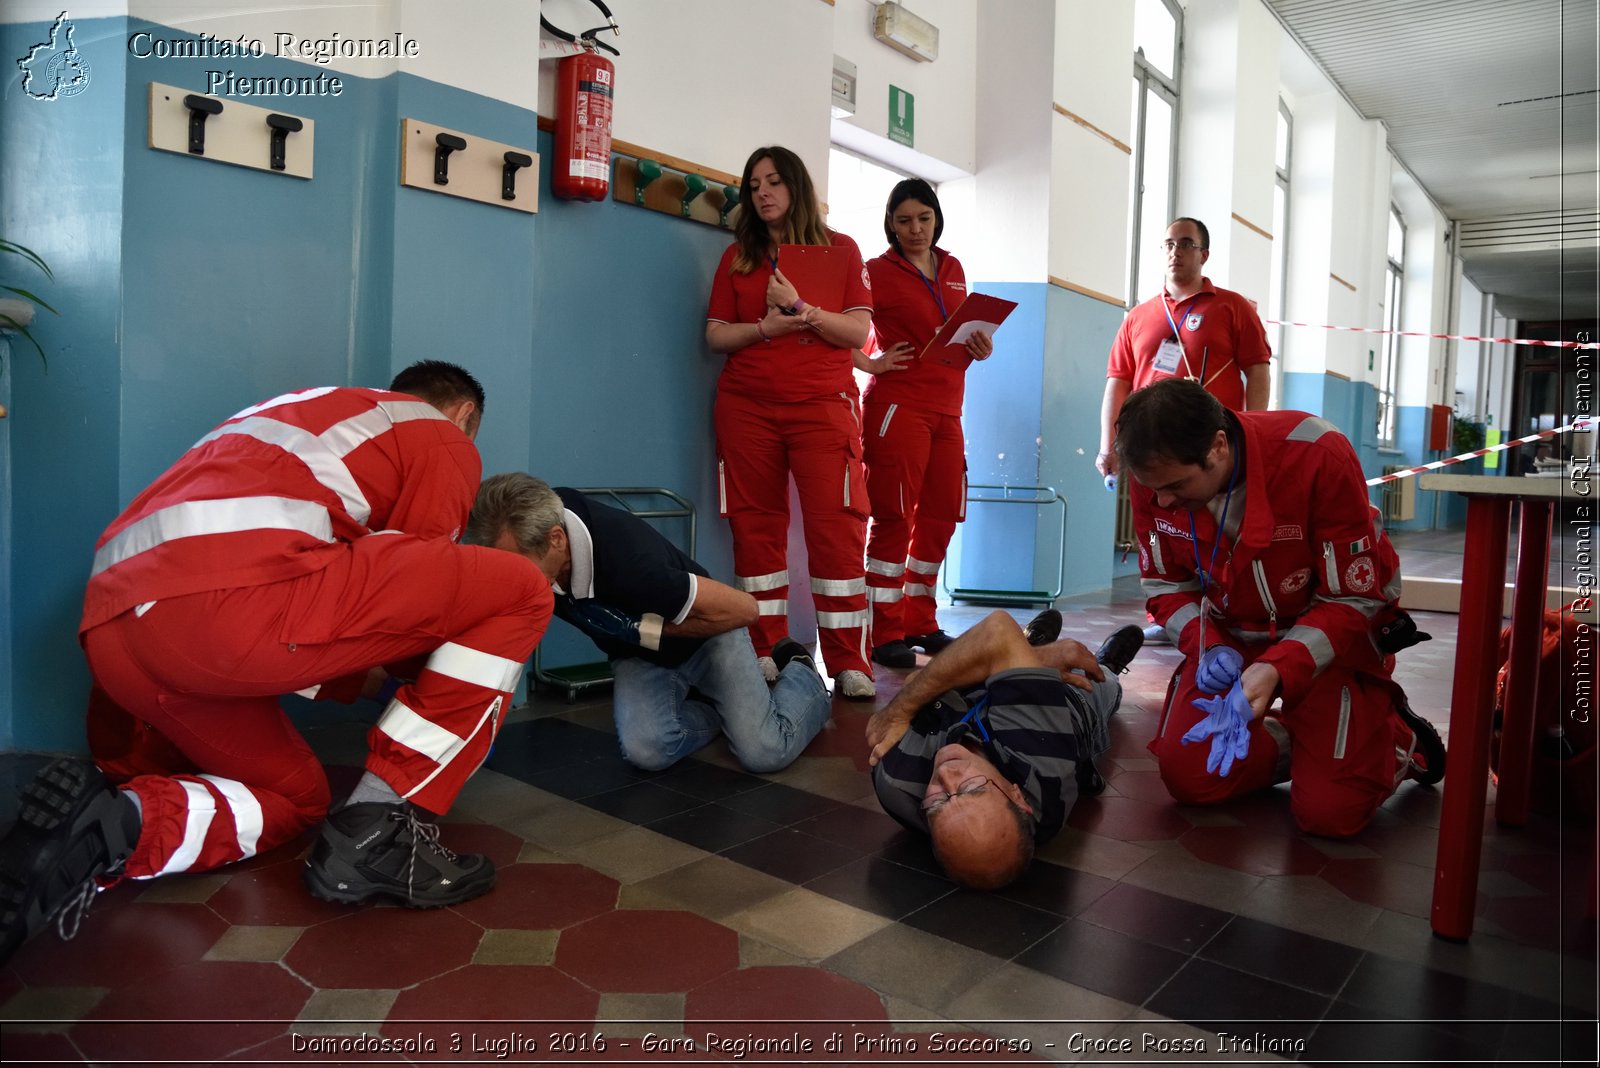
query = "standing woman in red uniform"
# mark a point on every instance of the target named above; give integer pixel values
(786, 404)
(916, 461)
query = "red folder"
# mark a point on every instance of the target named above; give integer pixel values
(819, 273)
(979, 312)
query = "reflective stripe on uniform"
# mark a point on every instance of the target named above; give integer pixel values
(1315, 641)
(189, 519)
(773, 608)
(885, 568)
(927, 567)
(422, 735)
(762, 583)
(838, 587)
(475, 667)
(884, 594)
(841, 620)
(247, 818)
(200, 809)
(325, 465)
(919, 589)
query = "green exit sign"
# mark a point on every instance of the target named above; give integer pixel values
(902, 116)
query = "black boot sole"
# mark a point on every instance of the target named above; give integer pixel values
(53, 848)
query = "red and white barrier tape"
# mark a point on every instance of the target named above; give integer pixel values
(1578, 424)
(1440, 337)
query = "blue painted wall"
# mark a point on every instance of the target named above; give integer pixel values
(1353, 407)
(61, 194)
(1078, 336)
(1032, 417)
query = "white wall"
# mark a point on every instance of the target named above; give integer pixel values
(943, 91)
(1470, 355)
(1089, 200)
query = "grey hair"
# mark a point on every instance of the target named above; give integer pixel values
(520, 503)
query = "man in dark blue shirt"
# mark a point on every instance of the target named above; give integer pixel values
(684, 665)
(986, 749)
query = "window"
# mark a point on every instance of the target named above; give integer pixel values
(1279, 281)
(1157, 30)
(1389, 365)
(858, 189)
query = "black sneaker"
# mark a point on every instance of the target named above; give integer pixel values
(895, 654)
(931, 643)
(1044, 628)
(1427, 757)
(787, 651)
(1118, 651)
(375, 849)
(72, 827)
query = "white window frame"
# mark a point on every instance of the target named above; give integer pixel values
(1150, 81)
(1389, 363)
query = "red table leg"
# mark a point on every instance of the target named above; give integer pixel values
(1522, 680)
(1483, 568)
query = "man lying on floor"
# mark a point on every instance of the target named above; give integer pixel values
(685, 668)
(986, 748)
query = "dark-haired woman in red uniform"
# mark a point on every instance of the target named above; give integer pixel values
(916, 461)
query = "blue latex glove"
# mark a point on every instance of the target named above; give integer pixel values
(1227, 724)
(1219, 668)
(603, 621)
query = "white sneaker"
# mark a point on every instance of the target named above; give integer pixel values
(769, 669)
(855, 685)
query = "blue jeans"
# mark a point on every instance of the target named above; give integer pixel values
(659, 722)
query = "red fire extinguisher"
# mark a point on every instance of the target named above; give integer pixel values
(584, 84)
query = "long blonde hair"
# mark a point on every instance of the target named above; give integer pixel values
(802, 226)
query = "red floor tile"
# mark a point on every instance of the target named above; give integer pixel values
(540, 999)
(116, 933)
(1245, 849)
(499, 846)
(272, 895)
(647, 951)
(1143, 785)
(542, 896)
(1402, 887)
(1128, 819)
(384, 948)
(735, 1005)
(219, 992)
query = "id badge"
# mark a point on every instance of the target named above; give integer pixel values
(1167, 356)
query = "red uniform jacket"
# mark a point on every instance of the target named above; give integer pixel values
(279, 490)
(905, 308)
(1311, 566)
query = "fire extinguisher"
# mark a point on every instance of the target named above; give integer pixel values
(584, 84)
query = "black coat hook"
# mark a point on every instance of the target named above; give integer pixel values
(447, 143)
(282, 127)
(200, 109)
(508, 174)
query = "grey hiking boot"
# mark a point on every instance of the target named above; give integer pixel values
(72, 828)
(375, 849)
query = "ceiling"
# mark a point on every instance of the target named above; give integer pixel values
(1493, 106)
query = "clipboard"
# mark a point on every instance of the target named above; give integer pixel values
(819, 273)
(979, 312)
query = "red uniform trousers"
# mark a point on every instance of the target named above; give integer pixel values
(759, 444)
(185, 711)
(917, 479)
(1349, 749)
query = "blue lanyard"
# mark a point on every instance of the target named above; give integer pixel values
(1194, 537)
(1179, 337)
(972, 717)
(931, 285)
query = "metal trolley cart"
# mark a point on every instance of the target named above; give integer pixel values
(646, 502)
(1037, 497)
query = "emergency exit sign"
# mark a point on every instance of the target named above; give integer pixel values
(902, 116)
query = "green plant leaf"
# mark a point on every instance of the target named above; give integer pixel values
(34, 298)
(28, 254)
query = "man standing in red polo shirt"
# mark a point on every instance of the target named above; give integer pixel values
(1192, 329)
